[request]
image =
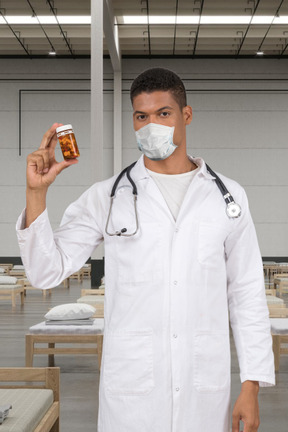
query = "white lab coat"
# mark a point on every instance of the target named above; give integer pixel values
(170, 290)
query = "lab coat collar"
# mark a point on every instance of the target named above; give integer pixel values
(139, 172)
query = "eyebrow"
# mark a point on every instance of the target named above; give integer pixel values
(160, 109)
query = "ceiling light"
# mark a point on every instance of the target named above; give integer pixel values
(52, 53)
(81, 19)
(153, 19)
(281, 20)
(260, 53)
(140, 19)
(186, 19)
(205, 19)
(228, 19)
(46, 19)
(262, 19)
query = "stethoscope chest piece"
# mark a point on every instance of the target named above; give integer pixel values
(233, 210)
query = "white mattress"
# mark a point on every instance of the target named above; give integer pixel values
(42, 328)
(10, 287)
(274, 300)
(91, 299)
(279, 326)
(28, 408)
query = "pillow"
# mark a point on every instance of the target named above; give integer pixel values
(70, 311)
(8, 280)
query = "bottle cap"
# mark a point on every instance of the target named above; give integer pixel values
(63, 128)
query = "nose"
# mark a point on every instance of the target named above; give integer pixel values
(154, 119)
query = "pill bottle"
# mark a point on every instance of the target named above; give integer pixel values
(67, 140)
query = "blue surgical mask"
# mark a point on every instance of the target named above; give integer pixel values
(156, 141)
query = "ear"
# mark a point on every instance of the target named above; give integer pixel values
(187, 114)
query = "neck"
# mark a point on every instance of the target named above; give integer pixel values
(171, 165)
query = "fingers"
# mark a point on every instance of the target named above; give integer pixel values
(235, 423)
(40, 160)
(252, 426)
(49, 139)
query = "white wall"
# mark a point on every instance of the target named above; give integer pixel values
(240, 111)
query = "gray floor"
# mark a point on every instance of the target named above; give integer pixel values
(80, 376)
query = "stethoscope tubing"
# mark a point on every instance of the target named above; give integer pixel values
(233, 209)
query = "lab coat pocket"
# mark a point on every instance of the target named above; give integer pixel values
(139, 257)
(128, 362)
(212, 362)
(211, 240)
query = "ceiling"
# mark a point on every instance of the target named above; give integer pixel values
(191, 40)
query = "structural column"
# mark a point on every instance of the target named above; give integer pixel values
(103, 21)
(97, 135)
(117, 121)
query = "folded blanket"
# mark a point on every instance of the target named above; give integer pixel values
(78, 322)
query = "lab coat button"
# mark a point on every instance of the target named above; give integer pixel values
(175, 335)
(175, 282)
(176, 230)
(177, 389)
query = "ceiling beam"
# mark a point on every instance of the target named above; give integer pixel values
(175, 27)
(15, 34)
(111, 35)
(248, 28)
(53, 10)
(198, 28)
(149, 35)
(42, 28)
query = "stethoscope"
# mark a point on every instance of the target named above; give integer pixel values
(233, 210)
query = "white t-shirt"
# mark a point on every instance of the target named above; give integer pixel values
(173, 188)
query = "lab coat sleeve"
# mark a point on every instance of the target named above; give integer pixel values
(249, 315)
(50, 257)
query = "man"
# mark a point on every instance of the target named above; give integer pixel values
(173, 280)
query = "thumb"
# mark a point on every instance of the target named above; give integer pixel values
(64, 164)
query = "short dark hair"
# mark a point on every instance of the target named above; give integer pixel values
(156, 79)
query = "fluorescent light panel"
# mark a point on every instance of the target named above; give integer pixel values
(153, 19)
(185, 19)
(49, 19)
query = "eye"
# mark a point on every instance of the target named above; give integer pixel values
(165, 114)
(141, 117)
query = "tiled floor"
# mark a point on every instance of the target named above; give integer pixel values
(80, 376)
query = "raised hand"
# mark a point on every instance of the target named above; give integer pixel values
(42, 170)
(42, 167)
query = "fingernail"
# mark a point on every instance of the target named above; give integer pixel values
(45, 170)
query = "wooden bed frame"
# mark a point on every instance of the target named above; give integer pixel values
(26, 378)
(11, 292)
(31, 340)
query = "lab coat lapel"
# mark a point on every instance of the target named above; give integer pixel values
(194, 196)
(196, 192)
(147, 186)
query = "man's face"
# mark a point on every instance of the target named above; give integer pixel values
(160, 107)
